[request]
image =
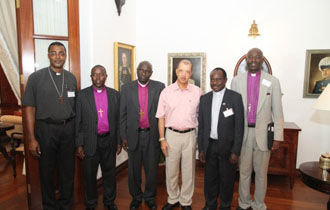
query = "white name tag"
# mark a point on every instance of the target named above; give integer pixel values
(71, 94)
(266, 82)
(228, 112)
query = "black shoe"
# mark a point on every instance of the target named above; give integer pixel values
(186, 208)
(112, 207)
(169, 206)
(151, 204)
(240, 208)
(134, 205)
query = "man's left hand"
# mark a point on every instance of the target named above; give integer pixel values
(233, 159)
(118, 149)
(276, 145)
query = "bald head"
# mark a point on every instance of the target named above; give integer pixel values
(254, 60)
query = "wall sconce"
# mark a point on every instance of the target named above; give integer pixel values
(254, 32)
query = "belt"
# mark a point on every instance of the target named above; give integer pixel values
(58, 122)
(215, 140)
(181, 131)
(252, 125)
(103, 134)
(143, 129)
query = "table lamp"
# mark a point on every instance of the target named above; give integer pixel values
(323, 103)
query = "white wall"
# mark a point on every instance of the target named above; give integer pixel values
(100, 27)
(220, 29)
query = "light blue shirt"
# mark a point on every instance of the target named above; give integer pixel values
(216, 105)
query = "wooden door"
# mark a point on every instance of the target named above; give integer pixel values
(32, 39)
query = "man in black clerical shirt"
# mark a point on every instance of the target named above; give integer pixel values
(49, 108)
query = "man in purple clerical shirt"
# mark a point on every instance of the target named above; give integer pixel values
(262, 99)
(139, 133)
(97, 137)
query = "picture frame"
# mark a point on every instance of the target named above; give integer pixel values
(316, 80)
(241, 66)
(198, 59)
(124, 64)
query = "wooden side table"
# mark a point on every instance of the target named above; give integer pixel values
(313, 176)
(283, 160)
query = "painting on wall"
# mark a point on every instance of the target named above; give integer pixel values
(124, 64)
(198, 61)
(317, 72)
(241, 66)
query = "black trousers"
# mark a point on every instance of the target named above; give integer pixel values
(57, 150)
(105, 156)
(146, 153)
(219, 178)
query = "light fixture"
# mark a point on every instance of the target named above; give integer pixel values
(323, 103)
(254, 32)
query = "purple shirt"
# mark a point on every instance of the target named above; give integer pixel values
(143, 102)
(101, 103)
(253, 86)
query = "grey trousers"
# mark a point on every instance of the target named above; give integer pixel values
(252, 158)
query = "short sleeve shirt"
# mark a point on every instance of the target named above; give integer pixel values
(41, 93)
(179, 107)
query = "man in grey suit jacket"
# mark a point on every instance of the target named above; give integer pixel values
(262, 99)
(220, 135)
(97, 137)
(139, 133)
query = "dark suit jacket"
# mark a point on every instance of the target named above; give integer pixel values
(230, 129)
(129, 112)
(86, 119)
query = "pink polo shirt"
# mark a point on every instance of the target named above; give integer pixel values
(179, 107)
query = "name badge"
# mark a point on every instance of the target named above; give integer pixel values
(266, 82)
(71, 94)
(228, 112)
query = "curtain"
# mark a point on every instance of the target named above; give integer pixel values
(9, 46)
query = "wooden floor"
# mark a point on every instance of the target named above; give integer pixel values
(279, 194)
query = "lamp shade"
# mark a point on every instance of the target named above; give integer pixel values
(323, 102)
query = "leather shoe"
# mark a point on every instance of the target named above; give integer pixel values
(151, 204)
(169, 206)
(186, 208)
(240, 208)
(134, 205)
(112, 207)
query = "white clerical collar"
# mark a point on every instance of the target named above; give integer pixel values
(221, 92)
(143, 85)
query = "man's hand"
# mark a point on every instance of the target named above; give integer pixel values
(233, 158)
(165, 147)
(34, 148)
(118, 149)
(80, 152)
(201, 157)
(276, 145)
(125, 144)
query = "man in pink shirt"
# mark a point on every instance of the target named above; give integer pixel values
(97, 137)
(177, 112)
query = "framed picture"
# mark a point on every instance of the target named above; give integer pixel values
(124, 64)
(241, 66)
(198, 61)
(317, 72)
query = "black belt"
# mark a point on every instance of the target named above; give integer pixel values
(143, 129)
(251, 125)
(181, 131)
(215, 140)
(103, 134)
(58, 122)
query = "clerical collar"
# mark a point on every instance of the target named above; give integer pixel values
(221, 92)
(255, 74)
(143, 85)
(97, 90)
